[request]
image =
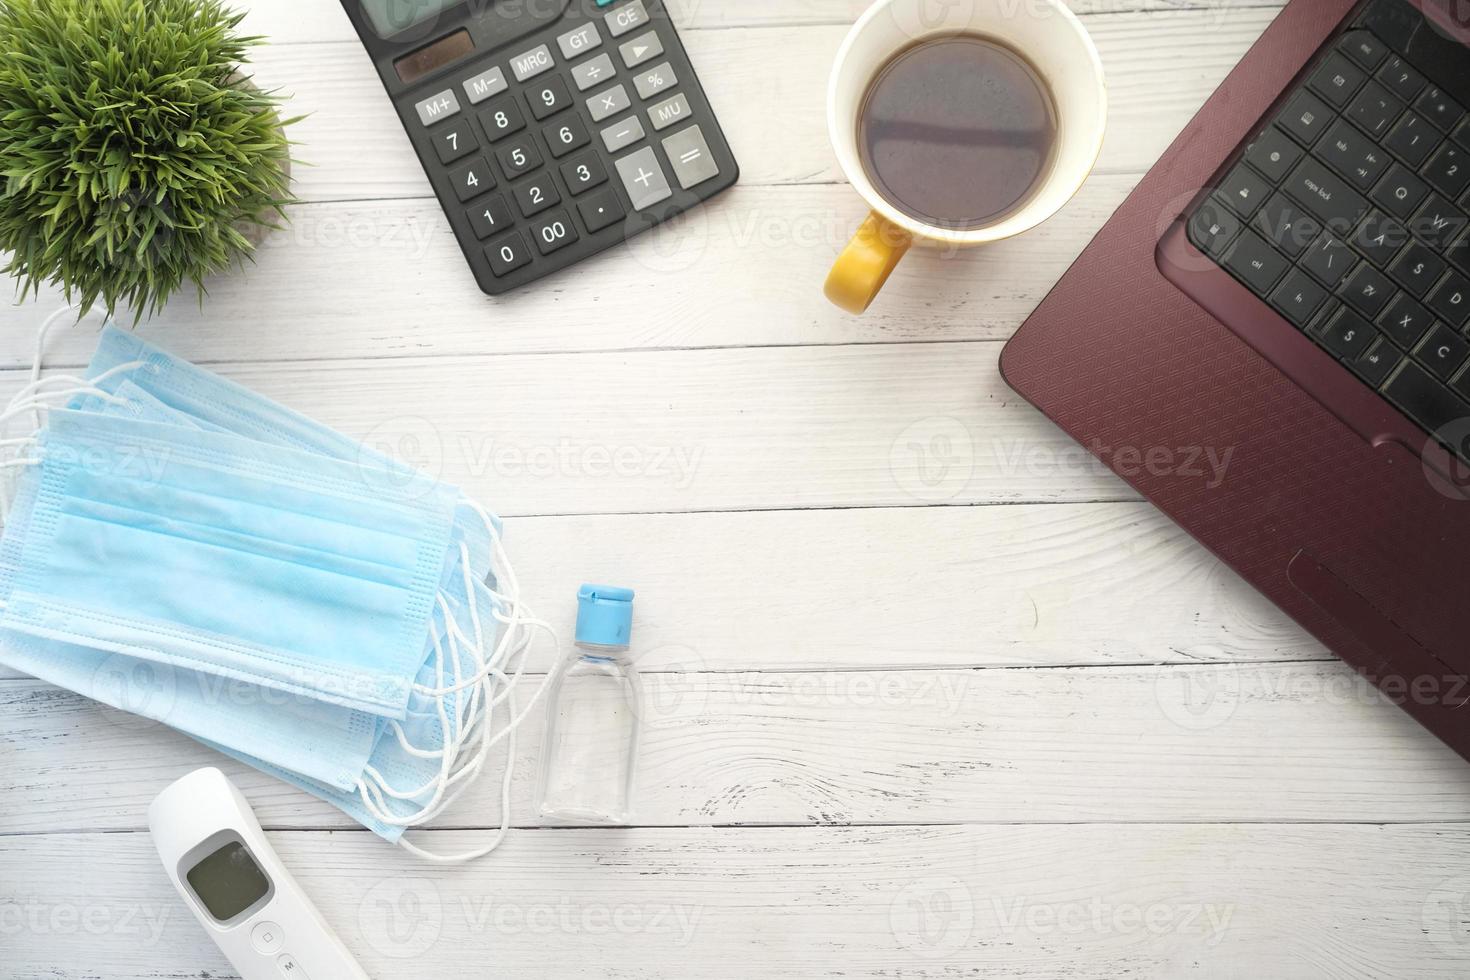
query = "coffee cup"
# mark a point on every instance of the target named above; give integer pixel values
(960, 123)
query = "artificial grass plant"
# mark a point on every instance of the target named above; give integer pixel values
(131, 147)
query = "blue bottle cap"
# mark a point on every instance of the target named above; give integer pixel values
(604, 615)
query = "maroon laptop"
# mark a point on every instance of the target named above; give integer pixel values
(1290, 284)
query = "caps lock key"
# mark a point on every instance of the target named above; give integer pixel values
(1326, 195)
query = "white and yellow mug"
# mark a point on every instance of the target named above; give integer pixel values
(1048, 35)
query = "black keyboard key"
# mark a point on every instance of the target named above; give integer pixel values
(1347, 335)
(1399, 192)
(1305, 117)
(1438, 222)
(1286, 225)
(1402, 80)
(1327, 312)
(1417, 269)
(1448, 171)
(1298, 297)
(455, 142)
(1413, 139)
(549, 97)
(1442, 110)
(520, 157)
(554, 232)
(1405, 321)
(587, 172)
(1374, 110)
(1380, 238)
(1353, 155)
(600, 210)
(1213, 227)
(490, 216)
(1451, 299)
(508, 254)
(502, 118)
(566, 136)
(1244, 190)
(1273, 154)
(1363, 48)
(1442, 352)
(472, 179)
(1376, 363)
(1256, 263)
(1457, 253)
(1329, 259)
(1367, 290)
(1461, 386)
(1461, 134)
(1337, 80)
(537, 194)
(1424, 399)
(1326, 195)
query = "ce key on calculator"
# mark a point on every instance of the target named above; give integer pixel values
(549, 129)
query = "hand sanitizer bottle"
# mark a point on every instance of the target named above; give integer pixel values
(593, 709)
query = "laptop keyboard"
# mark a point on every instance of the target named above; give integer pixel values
(1348, 214)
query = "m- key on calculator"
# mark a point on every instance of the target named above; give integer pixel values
(550, 129)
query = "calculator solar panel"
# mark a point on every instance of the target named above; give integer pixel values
(1347, 212)
(549, 131)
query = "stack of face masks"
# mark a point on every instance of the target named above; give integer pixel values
(178, 546)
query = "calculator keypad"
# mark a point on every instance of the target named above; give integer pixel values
(570, 141)
(472, 179)
(502, 118)
(567, 136)
(519, 157)
(549, 98)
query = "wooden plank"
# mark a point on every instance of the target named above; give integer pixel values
(747, 270)
(355, 147)
(1102, 902)
(681, 431)
(1207, 743)
(289, 22)
(1036, 586)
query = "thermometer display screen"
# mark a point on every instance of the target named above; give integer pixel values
(228, 881)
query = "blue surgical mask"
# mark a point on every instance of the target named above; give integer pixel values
(153, 382)
(215, 553)
(328, 745)
(460, 705)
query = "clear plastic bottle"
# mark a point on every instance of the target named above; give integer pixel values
(589, 759)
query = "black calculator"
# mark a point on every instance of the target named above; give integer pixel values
(550, 129)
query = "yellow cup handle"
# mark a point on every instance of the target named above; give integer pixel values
(867, 262)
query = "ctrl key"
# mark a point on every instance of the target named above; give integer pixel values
(1256, 263)
(507, 253)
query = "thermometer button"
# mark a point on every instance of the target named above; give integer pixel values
(288, 967)
(267, 938)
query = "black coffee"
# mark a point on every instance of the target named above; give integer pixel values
(958, 131)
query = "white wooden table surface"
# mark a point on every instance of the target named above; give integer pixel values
(933, 697)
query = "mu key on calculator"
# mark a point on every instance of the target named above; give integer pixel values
(550, 129)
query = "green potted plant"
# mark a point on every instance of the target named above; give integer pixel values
(135, 156)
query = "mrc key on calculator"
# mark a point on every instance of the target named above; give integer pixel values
(550, 130)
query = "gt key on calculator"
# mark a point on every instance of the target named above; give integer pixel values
(551, 129)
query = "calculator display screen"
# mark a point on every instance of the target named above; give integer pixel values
(432, 57)
(392, 16)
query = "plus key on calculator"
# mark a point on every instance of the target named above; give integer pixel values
(550, 130)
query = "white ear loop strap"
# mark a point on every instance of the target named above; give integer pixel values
(466, 742)
(33, 398)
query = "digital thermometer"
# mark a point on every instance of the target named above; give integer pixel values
(220, 862)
